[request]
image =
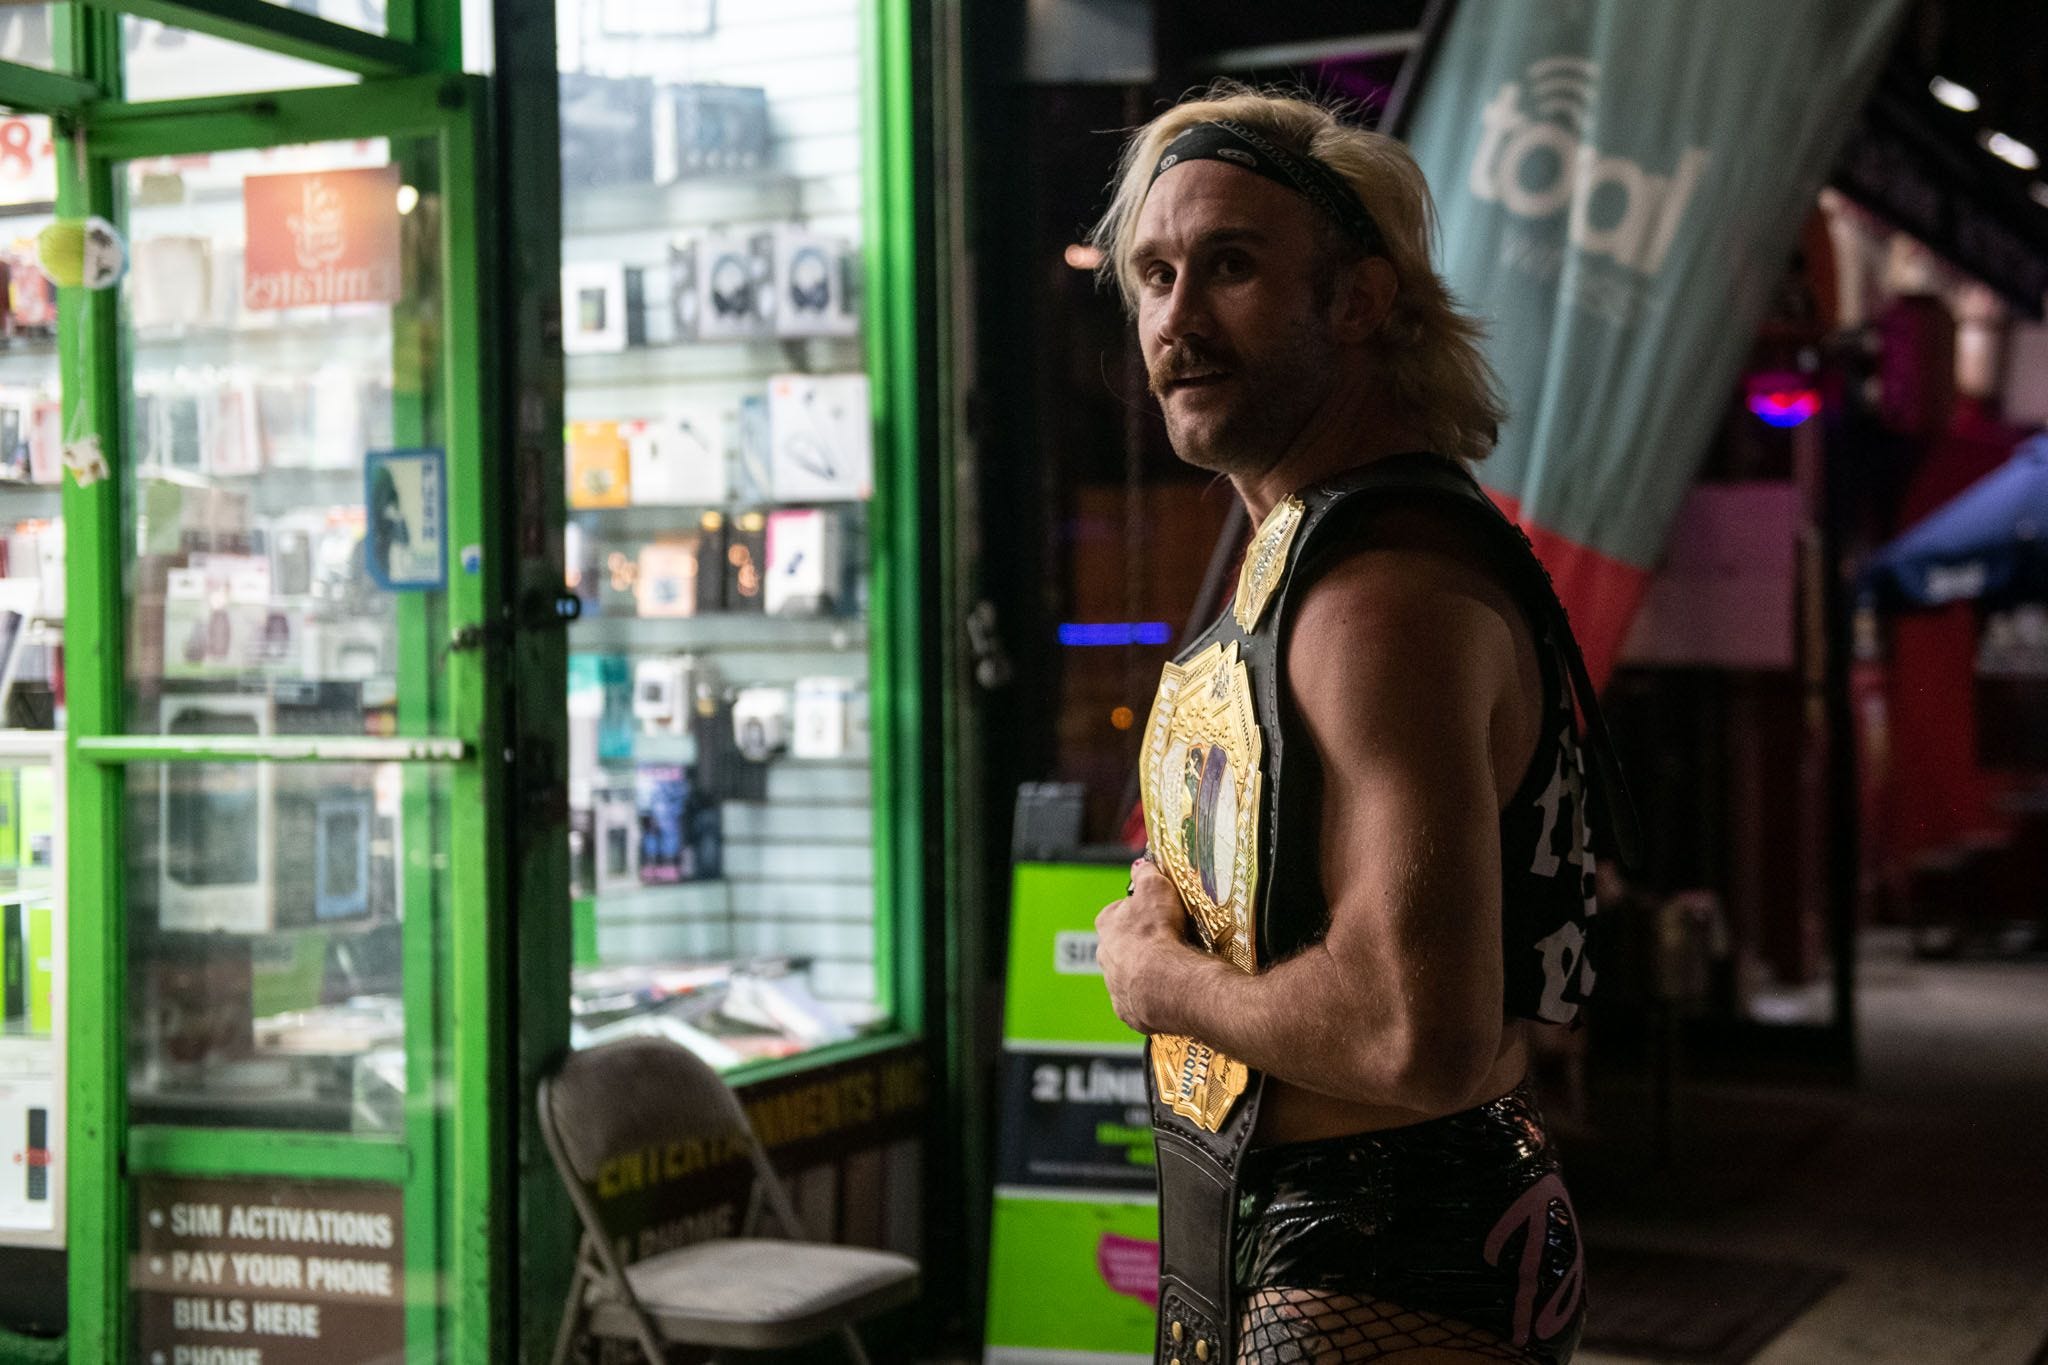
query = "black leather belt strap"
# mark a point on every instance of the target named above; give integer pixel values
(1197, 1231)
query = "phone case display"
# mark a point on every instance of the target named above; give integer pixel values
(31, 300)
(218, 839)
(821, 448)
(718, 456)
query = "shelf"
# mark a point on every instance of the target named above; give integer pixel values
(687, 361)
(664, 903)
(736, 198)
(661, 518)
(269, 348)
(728, 631)
(26, 501)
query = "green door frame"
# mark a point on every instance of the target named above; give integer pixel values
(450, 1162)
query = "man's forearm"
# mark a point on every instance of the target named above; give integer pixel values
(1311, 1022)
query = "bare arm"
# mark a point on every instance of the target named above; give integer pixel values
(1400, 664)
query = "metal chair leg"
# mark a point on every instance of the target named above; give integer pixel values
(573, 1312)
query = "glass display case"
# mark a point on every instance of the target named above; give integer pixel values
(721, 474)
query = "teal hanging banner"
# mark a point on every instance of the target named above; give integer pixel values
(1619, 185)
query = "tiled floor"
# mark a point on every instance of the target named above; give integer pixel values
(1927, 1185)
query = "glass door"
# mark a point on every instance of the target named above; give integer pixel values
(286, 727)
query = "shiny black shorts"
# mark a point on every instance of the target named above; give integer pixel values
(1455, 1232)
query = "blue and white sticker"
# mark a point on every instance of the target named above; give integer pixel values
(405, 502)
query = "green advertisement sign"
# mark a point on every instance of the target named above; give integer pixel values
(1074, 1261)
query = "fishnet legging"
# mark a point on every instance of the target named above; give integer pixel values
(1318, 1327)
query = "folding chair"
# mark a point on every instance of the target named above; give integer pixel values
(743, 1292)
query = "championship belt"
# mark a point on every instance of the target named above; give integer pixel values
(1201, 781)
(1201, 773)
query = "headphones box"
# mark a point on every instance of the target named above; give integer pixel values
(734, 277)
(680, 460)
(820, 442)
(813, 286)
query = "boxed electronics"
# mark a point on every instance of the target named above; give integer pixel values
(829, 719)
(710, 130)
(821, 446)
(666, 584)
(603, 307)
(680, 459)
(806, 574)
(813, 284)
(734, 278)
(607, 130)
(760, 722)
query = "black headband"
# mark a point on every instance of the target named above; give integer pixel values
(1234, 144)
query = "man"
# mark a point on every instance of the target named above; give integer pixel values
(1392, 886)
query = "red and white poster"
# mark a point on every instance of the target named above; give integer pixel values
(321, 237)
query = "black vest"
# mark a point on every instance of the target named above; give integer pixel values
(1547, 861)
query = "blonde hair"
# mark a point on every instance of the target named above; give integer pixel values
(1437, 376)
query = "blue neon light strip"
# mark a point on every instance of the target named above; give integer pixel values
(1115, 633)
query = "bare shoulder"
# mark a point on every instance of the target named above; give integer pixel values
(1415, 632)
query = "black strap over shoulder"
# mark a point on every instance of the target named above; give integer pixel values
(1436, 476)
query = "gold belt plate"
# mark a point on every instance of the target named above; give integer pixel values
(1196, 1081)
(1201, 779)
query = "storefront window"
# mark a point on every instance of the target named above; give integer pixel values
(25, 35)
(164, 63)
(31, 687)
(720, 469)
(287, 515)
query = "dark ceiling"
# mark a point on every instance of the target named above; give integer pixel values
(1997, 48)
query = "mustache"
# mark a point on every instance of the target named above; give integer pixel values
(1184, 360)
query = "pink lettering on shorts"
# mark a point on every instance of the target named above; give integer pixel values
(1530, 1215)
